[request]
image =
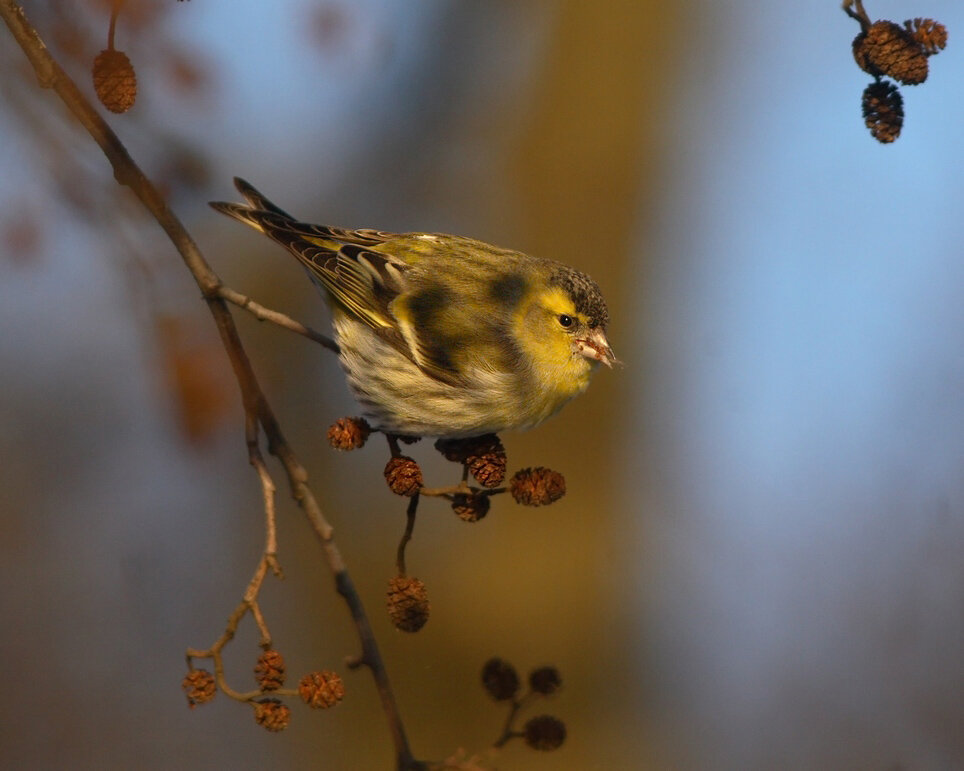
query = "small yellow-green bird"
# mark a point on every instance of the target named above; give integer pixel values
(443, 335)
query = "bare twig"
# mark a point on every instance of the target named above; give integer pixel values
(859, 14)
(508, 732)
(262, 313)
(256, 406)
(114, 11)
(407, 535)
(462, 488)
(268, 490)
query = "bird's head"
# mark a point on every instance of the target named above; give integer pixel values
(566, 331)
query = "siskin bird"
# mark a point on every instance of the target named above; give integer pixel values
(442, 335)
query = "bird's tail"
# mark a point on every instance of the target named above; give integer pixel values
(259, 212)
(263, 215)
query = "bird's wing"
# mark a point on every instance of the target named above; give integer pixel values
(341, 261)
(375, 287)
(364, 280)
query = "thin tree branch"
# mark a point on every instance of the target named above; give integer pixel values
(508, 732)
(407, 535)
(261, 313)
(256, 406)
(256, 459)
(860, 14)
(114, 10)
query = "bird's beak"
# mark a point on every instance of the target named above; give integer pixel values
(596, 347)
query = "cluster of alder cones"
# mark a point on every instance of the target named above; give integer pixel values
(319, 690)
(887, 50)
(501, 681)
(484, 459)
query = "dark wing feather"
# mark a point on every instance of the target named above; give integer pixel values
(342, 261)
(348, 265)
(256, 200)
(362, 280)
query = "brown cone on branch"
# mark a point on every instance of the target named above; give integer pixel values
(888, 49)
(470, 507)
(408, 605)
(500, 679)
(114, 80)
(321, 690)
(930, 35)
(270, 670)
(199, 687)
(348, 433)
(403, 475)
(272, 715)
(544, 733)
(483, 455)
(883, 110)
(537, 486)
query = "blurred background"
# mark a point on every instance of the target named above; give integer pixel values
(759, 561)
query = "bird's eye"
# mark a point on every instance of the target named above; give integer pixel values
(565, 320)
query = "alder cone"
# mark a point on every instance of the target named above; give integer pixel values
(115, 81)
(887, 49)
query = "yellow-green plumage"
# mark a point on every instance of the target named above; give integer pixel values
(443, 335)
